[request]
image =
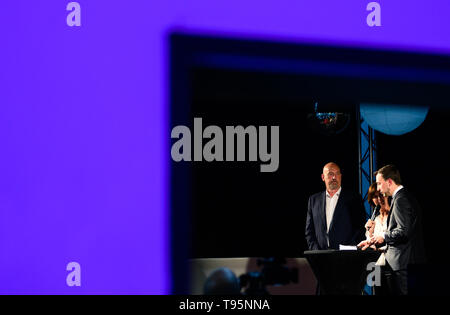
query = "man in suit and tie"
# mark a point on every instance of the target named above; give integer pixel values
(404, 236)
(335, 216)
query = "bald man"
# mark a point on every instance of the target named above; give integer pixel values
(335, 216)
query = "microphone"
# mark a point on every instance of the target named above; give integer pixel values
(375, 212)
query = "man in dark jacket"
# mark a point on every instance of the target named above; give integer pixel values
(335, 216)
(404, 236)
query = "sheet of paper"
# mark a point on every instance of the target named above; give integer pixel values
(347, 247)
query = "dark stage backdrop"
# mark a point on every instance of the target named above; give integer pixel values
(423, 159)
(231, 209)
(238, 211)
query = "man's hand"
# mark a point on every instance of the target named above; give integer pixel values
(376, 240)
(364, 245)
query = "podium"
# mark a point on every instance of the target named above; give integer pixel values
(341, 272)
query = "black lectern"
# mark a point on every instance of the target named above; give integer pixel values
(341, 271)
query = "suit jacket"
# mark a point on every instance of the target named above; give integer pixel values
(404, 236)
(347, 224)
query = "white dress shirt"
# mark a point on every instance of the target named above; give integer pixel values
(331, 206)
(396, 191)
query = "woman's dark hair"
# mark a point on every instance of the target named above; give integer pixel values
(371, 193)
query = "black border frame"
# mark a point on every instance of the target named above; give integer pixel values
(190, 51)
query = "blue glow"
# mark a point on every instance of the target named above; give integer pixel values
(393, 119)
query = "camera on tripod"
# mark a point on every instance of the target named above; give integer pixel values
(273, 272)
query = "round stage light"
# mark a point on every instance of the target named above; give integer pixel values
(393, 119)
